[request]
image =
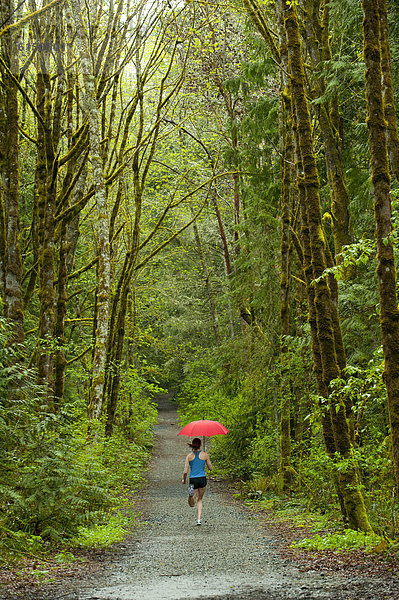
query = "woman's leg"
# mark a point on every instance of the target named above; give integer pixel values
(200, 495)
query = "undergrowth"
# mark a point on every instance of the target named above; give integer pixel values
(325, 527)
(344, 541)
(103, 535)
(293, 510)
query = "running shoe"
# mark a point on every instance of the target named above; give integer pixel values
(199, 522)
(191, 490)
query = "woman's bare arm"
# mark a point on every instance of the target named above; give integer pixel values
(186, 467)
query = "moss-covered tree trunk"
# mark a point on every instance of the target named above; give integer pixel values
(3, 244)
(62, 273)
(348, 479)
(386, 269)
(115, 352)
(287, 172)
(9, 166)
(45, 191)
(316, 29)
(387, 89)
(91, 109)
(322, 389)
(60, 313)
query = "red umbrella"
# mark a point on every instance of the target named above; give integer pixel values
(204, 427)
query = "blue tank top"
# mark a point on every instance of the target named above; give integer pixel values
(197, 466)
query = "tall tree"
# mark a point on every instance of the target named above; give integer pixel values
(374, 31)
(91, 109)
(316, 30)
(11, 263)
(326, 326)
(287, 175)
(45, 200)
(387, 90)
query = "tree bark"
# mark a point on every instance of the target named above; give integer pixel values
(9, 165)
(89, 102)
(348, 479)
(45, 191)
(386, 269)
(62, 276)
(287, 171)
(317, 40)
(387, 90)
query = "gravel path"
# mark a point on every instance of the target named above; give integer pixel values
(230, 557)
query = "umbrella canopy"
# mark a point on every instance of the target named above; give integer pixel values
(204, 427)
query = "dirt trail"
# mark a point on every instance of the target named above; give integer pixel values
(229, 557)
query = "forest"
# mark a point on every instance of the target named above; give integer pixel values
(198, 199)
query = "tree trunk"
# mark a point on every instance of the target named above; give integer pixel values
(120, 299)
(45, 190)
(287, 159)
(387, 89)
(317, 40)
(349, 484)
(9, 165)
(386, 270)
(89, 102)
(60, 313)
(117, 336)
(3, 243)
(62, 278)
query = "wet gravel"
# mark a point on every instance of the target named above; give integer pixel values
(229, 557)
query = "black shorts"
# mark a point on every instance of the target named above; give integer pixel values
(198, 482)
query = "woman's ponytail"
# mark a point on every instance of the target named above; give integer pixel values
(195, 444)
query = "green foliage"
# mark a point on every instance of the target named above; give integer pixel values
(291, 509)
(46, 489)
(137, 414)
(51, 494)
(231, 393)
(263, 450)
(13, 544)
(348, 540)
(53, 480)
(102, 536)
(339, 73)
(124, 461)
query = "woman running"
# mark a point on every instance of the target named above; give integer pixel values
(196, 461)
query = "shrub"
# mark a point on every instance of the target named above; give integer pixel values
(53, 480)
